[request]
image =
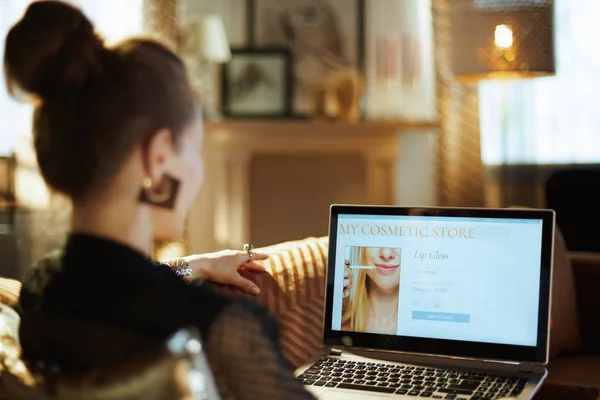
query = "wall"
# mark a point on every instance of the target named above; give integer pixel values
(408, 19)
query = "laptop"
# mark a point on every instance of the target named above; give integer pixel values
(440, 303)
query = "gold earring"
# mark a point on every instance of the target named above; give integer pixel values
(147, 183)
(164, 193)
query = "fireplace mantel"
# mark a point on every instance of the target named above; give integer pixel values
(304, 129)
(221, 216)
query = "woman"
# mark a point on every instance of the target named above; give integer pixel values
(371, 290)
(118, 131)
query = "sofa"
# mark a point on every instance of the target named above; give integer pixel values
(294, 288)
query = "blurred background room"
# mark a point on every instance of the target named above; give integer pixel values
(314, 102)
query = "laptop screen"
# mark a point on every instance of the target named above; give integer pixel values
(473, 276)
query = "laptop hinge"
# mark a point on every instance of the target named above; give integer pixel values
(526, 367)
(335, 352)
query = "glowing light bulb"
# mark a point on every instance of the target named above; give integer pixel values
(503, 36)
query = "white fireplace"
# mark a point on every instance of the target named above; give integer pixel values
(271, 181)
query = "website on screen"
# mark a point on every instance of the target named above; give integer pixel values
(456, 278)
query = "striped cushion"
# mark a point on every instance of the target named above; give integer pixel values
(294, 290)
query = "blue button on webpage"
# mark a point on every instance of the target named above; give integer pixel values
(439, 316)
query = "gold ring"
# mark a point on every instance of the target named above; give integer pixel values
(248, 249)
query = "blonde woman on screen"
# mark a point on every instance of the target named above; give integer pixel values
(371, 289)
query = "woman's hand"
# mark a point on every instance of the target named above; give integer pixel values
(347, 278)
(225, 267)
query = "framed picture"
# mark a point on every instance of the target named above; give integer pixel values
(323, 35)
(257, 83)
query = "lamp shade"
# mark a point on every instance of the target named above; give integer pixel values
(501, 39)
(204, 37)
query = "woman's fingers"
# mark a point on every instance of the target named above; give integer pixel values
(259, 256)
(245, 284)
(254, 267)
(347, 273)
(347, 279)
(245, 260)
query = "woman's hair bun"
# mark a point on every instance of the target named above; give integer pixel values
(52, 49)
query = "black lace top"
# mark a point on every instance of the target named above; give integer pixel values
(108, 283)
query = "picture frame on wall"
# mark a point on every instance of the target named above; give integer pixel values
(324, 36)
(257, 83)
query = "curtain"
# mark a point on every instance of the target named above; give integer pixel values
(460, 169)
(162, 18)
(553, 120)
(532, 128)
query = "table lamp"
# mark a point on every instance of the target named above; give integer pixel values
(203, 45)
(501, 39)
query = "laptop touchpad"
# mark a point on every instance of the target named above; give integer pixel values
(336, 395)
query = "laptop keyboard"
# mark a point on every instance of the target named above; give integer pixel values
(435, 383)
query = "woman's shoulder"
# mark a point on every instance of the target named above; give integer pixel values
(37, 278)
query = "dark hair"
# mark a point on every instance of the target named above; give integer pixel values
(94, 103)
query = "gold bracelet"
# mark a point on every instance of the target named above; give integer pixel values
(181, 268)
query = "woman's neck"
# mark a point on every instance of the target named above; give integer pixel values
(383, 313)
(124, 223)
(382, 298)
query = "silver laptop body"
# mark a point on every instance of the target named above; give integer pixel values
(472, 316)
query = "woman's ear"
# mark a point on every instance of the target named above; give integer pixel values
(156, 154)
